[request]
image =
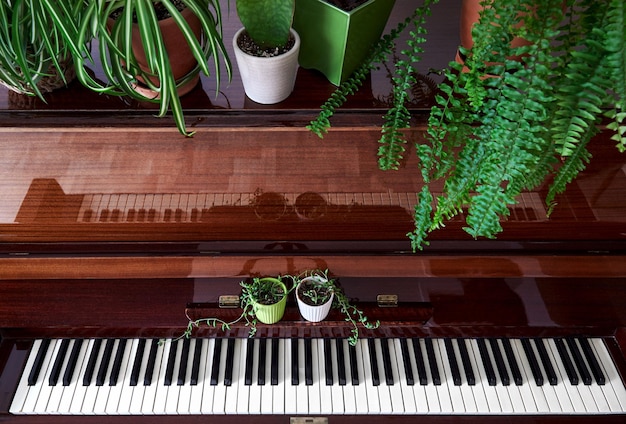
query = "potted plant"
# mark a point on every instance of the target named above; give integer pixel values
(316, 293)
(262, 299)
(35, 57)
(519, 117)
(141, 43)
(338, 34)
(266, 49)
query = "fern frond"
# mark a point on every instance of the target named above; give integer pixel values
(423, 219)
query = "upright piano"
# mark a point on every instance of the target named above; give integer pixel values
(114, 229)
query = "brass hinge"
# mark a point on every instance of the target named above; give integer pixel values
(387, 300)
(228, 301)
(308, 420)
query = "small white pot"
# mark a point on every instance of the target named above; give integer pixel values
(268, 80)
(313, 313)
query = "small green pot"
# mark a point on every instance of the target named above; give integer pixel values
(270, 314)
(334, 41)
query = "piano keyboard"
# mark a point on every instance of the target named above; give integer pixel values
(319, 376)
(187, 207)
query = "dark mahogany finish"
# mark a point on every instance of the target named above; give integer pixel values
(65, 272)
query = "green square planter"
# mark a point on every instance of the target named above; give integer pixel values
(336, 42)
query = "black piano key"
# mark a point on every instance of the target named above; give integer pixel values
(134, 374)
(546, 362)
(354, 367)
(341, 363)
(308, 362)
(513, 366)
(151, 215)
(499, 360)
(131, 215)
(171, 362)
(195, 368)
(389, 380)
(215, 366)
(532, 361)
(249, 362)
(577, 356)
(373, 362)
(230, 358)
(432, 362)
(454, 365)
(597, 372)
(53, 378)
(91, 363)
(167, 215)
(467, 364)
(33, 375)
(328, 362)
(262, 359)
(141, 215)
(566, 361)
(104, 364)
(406, 361)
(117, 362)
(295, 380)
(147, 379)
(274, 361)
(115, 215)
(104, 215)
(184, 360)
(71, 363)
(419, 362)
(486, 359)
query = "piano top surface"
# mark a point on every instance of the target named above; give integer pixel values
(57, 156)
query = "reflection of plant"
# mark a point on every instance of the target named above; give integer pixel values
(326, 286)
(264, 291)
(505, 125)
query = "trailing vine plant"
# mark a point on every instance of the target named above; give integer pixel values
(509, 118)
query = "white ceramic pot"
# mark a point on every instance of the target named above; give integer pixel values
(313, 313)
(268, 80)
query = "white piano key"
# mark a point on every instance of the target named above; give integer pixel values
(208, 391)
(102, 394)
(138, 391)
(513, 391)
(290, 406)
(467, 391)
(493, 402)
(254, 390)
(532, 396)
(315, 402)
(266, 391)
(581, 397)
(360, 391)
(158, 381)
(613, 389)
(454, 392)
(504, 397)
(70, 391)
(395, 390)
(196, 391)
(445, 401)
(43, 397)
(185, 391)
(431, 391)
(23, 389)
(478, 390)
(279, 390)
(80, 391)
(349, 395)
(326, 394)
(302, 390)
(173, 390)
(406, 391)
(336, 391)
(373, 402)
(115, 396)
(561, 388)
(219, 394)
(243, 395)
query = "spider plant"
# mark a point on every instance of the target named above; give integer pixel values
(33, 47)
(119, 60)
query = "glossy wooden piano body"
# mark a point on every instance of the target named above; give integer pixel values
(111, 224)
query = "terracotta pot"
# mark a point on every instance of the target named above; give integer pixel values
(470, 14)
(181, 58)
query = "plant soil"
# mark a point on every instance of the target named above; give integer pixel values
(247, 45)
(346, 5)
(311, 286)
